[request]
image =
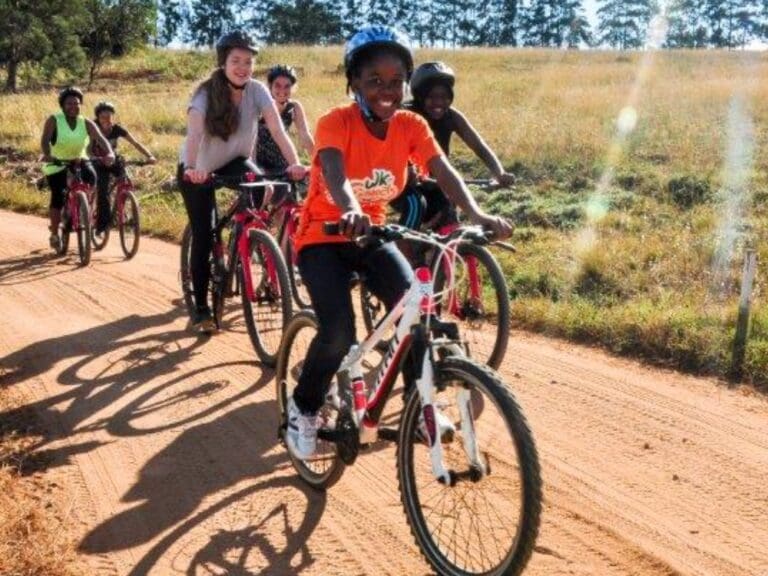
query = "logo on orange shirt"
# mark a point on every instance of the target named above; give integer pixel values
(378, 188)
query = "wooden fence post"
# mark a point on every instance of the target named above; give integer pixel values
(742, 324)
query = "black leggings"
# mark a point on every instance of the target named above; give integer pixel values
(200, 202)
(326, 270)
(102, 187)
(58, 183)
(424, 202)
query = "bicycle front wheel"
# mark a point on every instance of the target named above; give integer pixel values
(481, 522)
(325, 468)
(83, 229)
(267, 305)
(129, 225)
(475, 295)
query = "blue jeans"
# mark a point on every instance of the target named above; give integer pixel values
(326, 270)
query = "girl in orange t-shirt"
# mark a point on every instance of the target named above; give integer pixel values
(360, 164)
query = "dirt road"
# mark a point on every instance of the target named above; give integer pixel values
(165, 442)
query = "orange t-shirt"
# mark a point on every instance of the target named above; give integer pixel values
(375, 168)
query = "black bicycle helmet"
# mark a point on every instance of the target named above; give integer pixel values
(70, 91)
(103, 106)
(235, 39)
(429, 74)
(376, 35)
(281, 70)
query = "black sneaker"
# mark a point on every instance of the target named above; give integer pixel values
(202, 321)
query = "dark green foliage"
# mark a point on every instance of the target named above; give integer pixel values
(40, 32)
(688, 191)
(114, 27)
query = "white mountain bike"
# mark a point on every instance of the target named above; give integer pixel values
(467, 465)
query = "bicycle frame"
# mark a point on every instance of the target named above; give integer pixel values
(410, 334)
(475, 288)
(243, 218)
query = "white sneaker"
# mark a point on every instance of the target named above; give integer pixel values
(301, 436)
(444, 425)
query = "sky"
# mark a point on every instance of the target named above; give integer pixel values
(591, 7)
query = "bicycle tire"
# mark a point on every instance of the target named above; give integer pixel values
(187, 288)
(267, 315)
(318, 474)
(99, 241)
(129, 225)
(512, 551)
(83, 231)
(474, 318)
(299, 292)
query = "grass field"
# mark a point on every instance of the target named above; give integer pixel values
(642, 180)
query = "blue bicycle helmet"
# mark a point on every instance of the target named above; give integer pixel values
(377, 35)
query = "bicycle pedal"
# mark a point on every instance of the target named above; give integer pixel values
(387, 433)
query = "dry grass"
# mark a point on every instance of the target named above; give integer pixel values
(35, 536)
(640, 278)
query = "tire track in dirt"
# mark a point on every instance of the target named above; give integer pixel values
(166, 443)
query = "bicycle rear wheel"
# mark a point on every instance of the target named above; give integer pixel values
(83, 229)
(129, 225)
(325, 468)
(480, 523)
(270, 309)
(98, 240)
(478, 301)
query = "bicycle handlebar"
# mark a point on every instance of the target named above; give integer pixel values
(393, 232)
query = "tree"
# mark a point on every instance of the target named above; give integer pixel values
(40, 32)
(555, 23)
(172, 16)
(732, 23)
(623, 24)
(303, 22)
(114, 27)
(208, 20)
(687, 24)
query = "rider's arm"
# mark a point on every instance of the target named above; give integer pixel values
(98, 138)
(472, 138)
(279, 135)
(354, 222)
(45, 139)
(305, 136)
(453, 186)
(136, 144)
(195, 131)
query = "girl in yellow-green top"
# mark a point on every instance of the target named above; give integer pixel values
(65, 137)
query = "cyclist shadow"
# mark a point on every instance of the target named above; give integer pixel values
(25, 269)
(209, 459)
(139, 349)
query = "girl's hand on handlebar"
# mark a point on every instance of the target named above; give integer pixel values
(151, 160)
(195, 176)
(108, 160)
(296, 171)
(500, 227)
(354, 224)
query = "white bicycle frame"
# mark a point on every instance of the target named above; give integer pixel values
(419, 298)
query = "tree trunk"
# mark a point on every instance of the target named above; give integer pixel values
(10, 82)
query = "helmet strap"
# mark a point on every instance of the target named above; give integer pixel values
(365, 109)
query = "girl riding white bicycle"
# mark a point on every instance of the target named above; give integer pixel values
(360, 165)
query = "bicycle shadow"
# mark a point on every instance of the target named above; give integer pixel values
(29, 268)
(139, 350)
(205, 460)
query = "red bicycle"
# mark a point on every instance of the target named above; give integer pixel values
(75, 216)
(247, 261)
(477, 296)
(125, 212)
(283, 219)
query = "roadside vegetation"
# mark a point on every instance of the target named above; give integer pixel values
(631, 233)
